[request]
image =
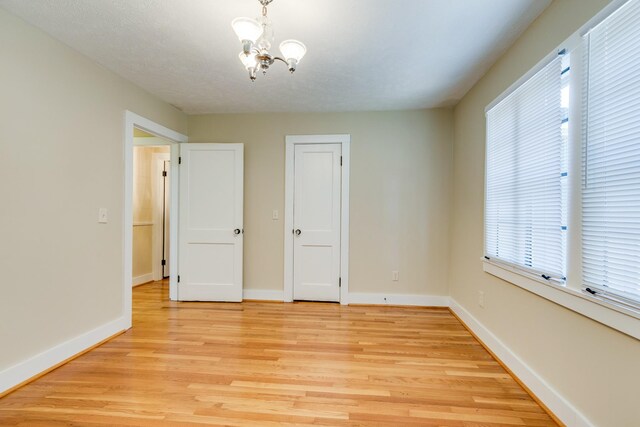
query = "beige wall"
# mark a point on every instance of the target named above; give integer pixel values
(594, 367)
(61, 146)
(143, 209)
(142, 252)
(400, 193)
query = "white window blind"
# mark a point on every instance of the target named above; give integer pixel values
(611, 176)
(524, 171)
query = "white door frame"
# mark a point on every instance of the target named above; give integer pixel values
(157, 187)
(131, 121)
(291, 141)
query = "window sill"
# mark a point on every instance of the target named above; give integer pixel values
(619, 318)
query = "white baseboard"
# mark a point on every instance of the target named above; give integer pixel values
(359, 298)
(141, 280)
(16, 374)
(263, 294)
(557, 404)
(398, 299)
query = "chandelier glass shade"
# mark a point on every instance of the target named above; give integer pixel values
(256, 36)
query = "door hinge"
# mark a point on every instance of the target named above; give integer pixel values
(178, 278)
(164, 262)
(164, 173)
(179, 160)
(340, 160)
(339, 282)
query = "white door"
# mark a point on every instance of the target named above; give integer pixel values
(316, 222)
(166, 204)
(211, 204)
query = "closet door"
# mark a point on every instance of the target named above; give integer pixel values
(316, 221)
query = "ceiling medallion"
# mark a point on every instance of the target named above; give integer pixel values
(256, 37)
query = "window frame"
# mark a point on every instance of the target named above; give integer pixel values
(569, 294)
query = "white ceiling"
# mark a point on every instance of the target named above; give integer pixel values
(362, 54)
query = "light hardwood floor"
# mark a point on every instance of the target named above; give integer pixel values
(270, 364)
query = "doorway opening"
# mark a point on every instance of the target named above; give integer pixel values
(151, 218)
(151, 208)
(316, 234)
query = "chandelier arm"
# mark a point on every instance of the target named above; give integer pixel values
(280, 59)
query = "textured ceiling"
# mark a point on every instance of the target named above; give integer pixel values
(362, 54)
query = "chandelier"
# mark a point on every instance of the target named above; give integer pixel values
(256, 37)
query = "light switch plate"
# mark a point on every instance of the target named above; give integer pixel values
(103, 216)
(275, 215)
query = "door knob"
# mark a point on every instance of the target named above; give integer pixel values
(298, 232)
(236, 231)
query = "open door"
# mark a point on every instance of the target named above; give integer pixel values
(211, 222)
(166, 220)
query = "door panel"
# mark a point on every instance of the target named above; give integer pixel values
(211, 183)
(211, 241)
(167, 219)
(316, 218)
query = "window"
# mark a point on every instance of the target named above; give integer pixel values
(563, 173)
(525, 219)
(611, 158)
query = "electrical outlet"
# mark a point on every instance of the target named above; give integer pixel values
(395, 276)
(481, 298)
(275, 216)
(102, 215)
